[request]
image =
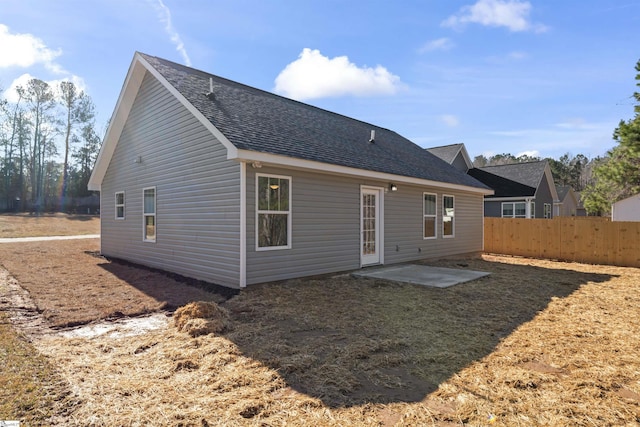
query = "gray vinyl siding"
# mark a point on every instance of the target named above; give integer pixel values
(326, 226)
(459, 163)
(197, 192)
(493, 209)
(543, 195)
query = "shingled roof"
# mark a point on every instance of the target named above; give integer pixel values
(259, 121)
(512, 180)
(447, 153)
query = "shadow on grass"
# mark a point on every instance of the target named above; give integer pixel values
(351, 341)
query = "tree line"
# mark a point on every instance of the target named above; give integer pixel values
(602, 181)
(48, 146)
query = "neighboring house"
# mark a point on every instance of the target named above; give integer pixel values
(454, 154)
(222, 182)
(580, 209)
(522, 190)
(568, 201)
(626, 209)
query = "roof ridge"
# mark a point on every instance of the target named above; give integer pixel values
(263, 91)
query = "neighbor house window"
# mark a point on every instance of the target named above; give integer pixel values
(149, 214)
(547, 210)
(120, 205)
(448, 209)
(273, 224)
(429, 213)
(515, 209)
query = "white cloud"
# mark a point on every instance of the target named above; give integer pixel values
(164, 15)
(313, 75)
(450, 120)
(529, 153)
(512, 14)
(443, 43)
(12, 96)
(26, 50)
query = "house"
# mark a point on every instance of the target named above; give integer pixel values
(454, 154)
(522, 190)
(626, 209)
(222, 182)
(568, 201)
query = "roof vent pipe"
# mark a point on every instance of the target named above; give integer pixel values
(373, 136)
(210, 93)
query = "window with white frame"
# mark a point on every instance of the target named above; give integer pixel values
(149, 214)
(547, 210)
(273, 212)
(514, 210)
(119, 205)
(429, 214)
(448, 215)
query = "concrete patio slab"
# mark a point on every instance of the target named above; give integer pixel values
(437, 277)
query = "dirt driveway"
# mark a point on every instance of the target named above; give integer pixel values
(535, 343)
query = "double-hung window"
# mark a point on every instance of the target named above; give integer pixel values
(273, 213)
(514, 210)
(547, 210)
(429, 213)
(119, 205)
(448, 215)
(149, 214)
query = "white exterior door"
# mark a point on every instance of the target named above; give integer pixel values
(370, 226)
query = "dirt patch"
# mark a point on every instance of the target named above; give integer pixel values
(71, 286)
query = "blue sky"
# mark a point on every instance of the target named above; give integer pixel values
(537, 77)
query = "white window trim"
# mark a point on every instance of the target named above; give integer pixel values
(435, 217)
(453, 228)
(145, 215)
(289, 214)
(117, 205)
(532, 209)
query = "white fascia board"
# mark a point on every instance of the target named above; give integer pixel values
(509, 199)
(466, 157)
(137, 70)
(119, 116)
(295, 163)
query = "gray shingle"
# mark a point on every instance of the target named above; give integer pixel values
(260, 121)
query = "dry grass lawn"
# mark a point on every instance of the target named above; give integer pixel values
(534, 343)
(58, 224)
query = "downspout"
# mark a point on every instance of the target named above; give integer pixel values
(243, 224)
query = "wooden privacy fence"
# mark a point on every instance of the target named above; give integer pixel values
(589, 240)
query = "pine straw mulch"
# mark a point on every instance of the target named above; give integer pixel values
(47, 224)
(534, 343)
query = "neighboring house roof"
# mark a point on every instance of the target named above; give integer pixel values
(502, 187)
(516, 179)
(565, 191)
(255, 125)
(448, 153)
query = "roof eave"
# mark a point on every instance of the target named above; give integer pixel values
(296, 163)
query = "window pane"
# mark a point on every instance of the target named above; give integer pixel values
(120, 212)
(272, 230)
(429, 204)
(430, 226)
(119, 198)
(447, 226)
(263, 193)
(507, 210)
(448, 205)
(284, 194)
(274, 194)
(150, 227)
(520, 209)
(150, 201)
